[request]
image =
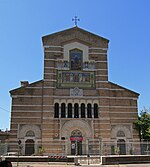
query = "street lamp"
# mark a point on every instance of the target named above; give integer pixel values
(19, 149)
(88, 152)
(76, 153)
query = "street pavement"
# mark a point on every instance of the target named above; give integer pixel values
(45, 164)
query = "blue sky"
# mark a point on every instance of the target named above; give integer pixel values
(126, 23)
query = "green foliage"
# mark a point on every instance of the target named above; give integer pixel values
(115, 150)
(41, 150)
(143, 124)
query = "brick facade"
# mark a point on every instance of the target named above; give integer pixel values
(34, 105)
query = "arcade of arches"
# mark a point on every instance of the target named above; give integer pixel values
(75, 111)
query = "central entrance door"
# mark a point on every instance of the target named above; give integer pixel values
(76, 147)
(29, 147)
(76, 142)
(122, 146)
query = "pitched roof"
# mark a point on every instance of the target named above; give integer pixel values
(121, 87)
(73, 29)
(21, 88)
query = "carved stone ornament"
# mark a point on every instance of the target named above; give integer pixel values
(76, 92)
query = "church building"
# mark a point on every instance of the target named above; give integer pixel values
(74, 109)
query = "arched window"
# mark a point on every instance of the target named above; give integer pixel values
(76, 110)
(63, 110)
(56, 111)
(95, 110)
(30, 133)
(69, 110)
(89, 110)
(76, 133)
(82, 110)
(120, 134)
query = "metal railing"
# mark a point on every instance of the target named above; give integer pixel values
(89, 148)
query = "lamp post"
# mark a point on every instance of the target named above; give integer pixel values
(76, 153)
(19, 149)
(76, 144)
(88, 151)
(100, 146)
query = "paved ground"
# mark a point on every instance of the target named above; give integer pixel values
(45, 164)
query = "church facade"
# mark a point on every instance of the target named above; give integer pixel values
(74, 109)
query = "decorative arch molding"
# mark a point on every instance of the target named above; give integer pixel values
(80, 46)
(80, 125)
(79, 101)
(122, 128)
(25, 128)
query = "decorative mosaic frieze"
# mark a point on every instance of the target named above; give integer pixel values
(71, 79)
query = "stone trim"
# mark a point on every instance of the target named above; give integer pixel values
(98, 48)
(52, 46)
(52, 51)
(125, 129)
(95, 53)
(25, 128)
(81, 125)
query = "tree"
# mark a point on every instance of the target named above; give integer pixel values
(143, 124)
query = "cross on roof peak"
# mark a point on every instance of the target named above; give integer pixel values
(75, 19)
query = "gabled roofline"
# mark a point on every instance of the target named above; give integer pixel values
(21, 87)
(69, 29)
(124, 88)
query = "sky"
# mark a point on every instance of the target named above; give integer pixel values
(126, 23)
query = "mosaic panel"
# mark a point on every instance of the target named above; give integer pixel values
(76, 59)
(71, 79)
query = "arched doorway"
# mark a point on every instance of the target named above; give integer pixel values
(122, 146)
(121, 142)
(85, 133)
(29, 147)
(76, 142)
